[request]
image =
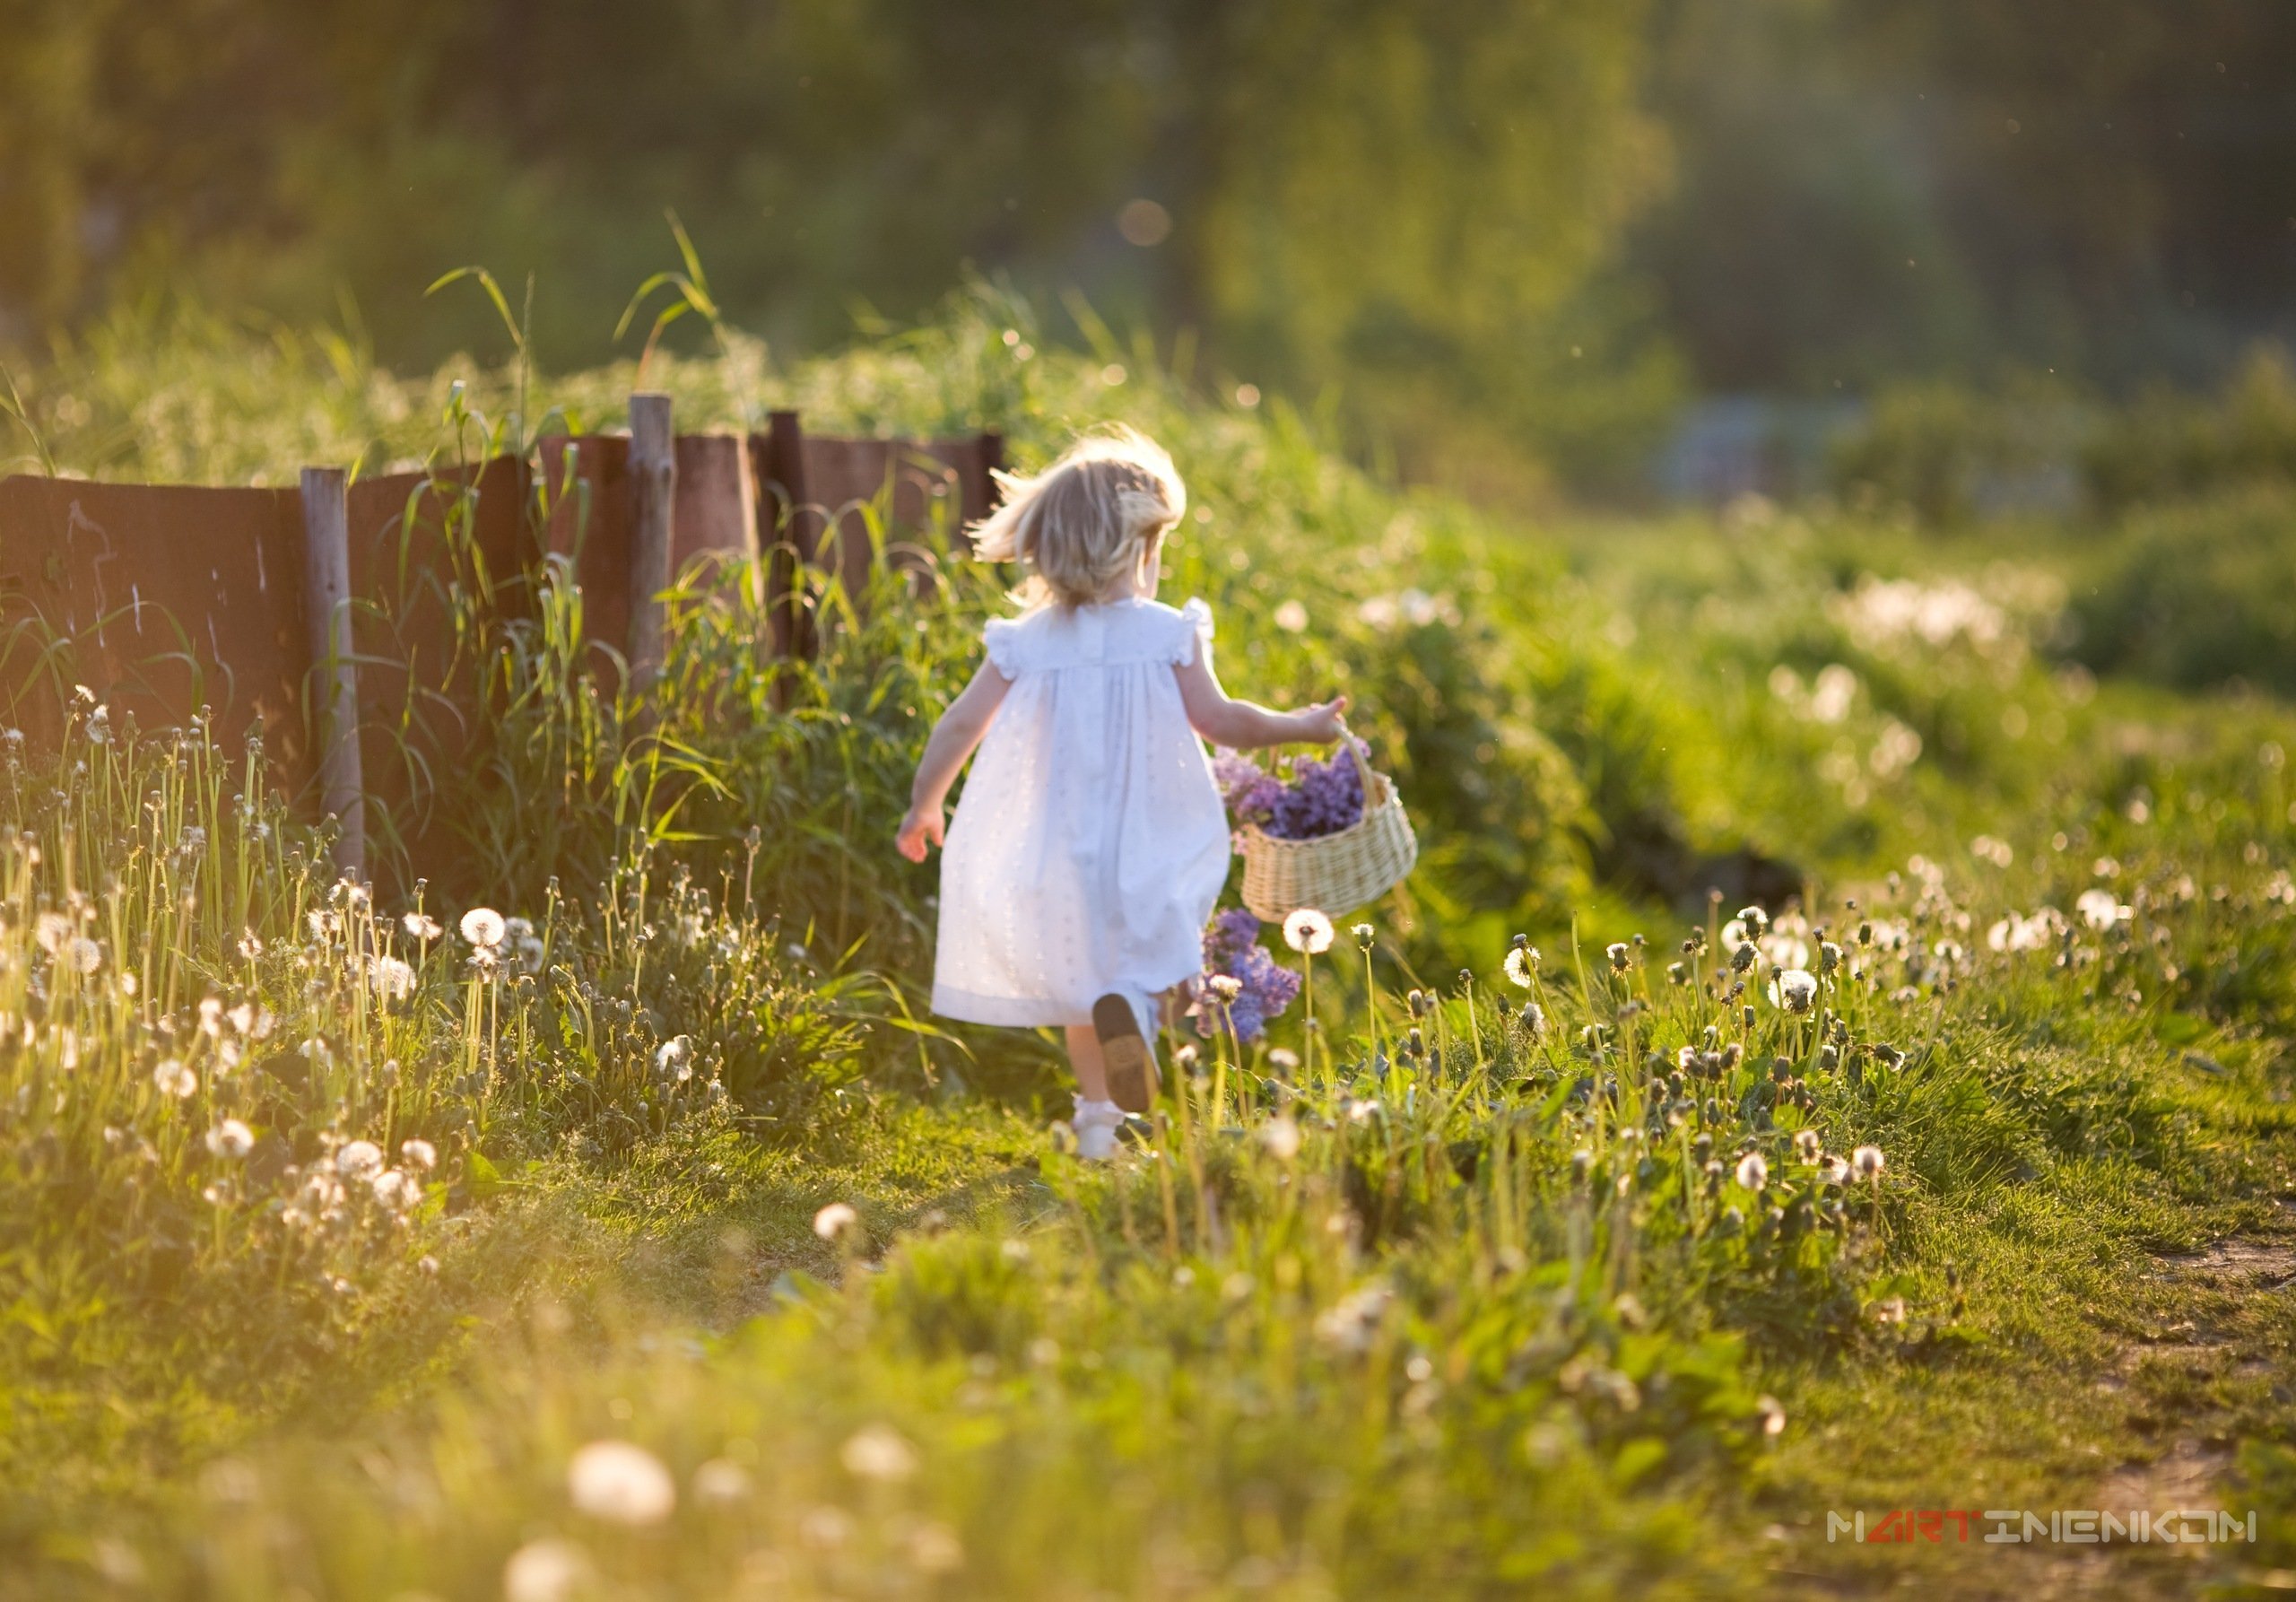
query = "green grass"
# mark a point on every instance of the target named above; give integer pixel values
(1462, 1317)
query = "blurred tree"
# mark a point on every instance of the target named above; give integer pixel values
(1405, 201)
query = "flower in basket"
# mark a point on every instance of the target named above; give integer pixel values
(1263, 987)
(1304, 799)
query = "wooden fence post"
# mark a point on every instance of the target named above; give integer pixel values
(793, 546)
(653, 483)
(335, 678)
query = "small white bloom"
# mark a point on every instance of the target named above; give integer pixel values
(174, 1079)
(1522, 966)
(621, 1482)
(721, 1480)
(419, 1155)
(397, 1189)
(484, 927)
(878, 1452)
(1284, 1059)
(230, 1139)
(546, 1570)
(1867, 1162)
(2101, 909)
(1308, 930)
(1281, 1137)
(421, 926)
(834, 1221)
(1292, 617)
(1754, 1173)
(359, 1159)
(1795, 991)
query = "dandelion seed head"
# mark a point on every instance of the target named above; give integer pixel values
(1867, 1162)
(419, 1155)
(620, 1482)
(174, 1079)
(230, 1139)
(1280, 1137)
(484, 927)
(1522, 966)
(1308, 930)
(1753, 1172)
(1795, 989)
(547, 1570)
(835, 1220)
(878, 1452)
(359, 1159)
(421, 926)
(1364, 936)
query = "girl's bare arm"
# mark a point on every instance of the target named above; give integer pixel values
(1246, 725)
(954, 739)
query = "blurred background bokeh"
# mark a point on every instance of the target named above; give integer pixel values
(1927, 249)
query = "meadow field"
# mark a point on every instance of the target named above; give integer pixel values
(1833, 1057)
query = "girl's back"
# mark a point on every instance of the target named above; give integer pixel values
(1092, 843)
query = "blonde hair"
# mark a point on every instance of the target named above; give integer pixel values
(1098, 513)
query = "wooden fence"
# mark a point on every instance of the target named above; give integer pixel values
(325, 615)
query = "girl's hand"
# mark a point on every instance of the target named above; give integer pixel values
(1325, 724)
(923, 823)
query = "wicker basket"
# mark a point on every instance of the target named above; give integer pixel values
(1332, 873)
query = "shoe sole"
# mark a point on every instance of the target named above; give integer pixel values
(1132, 1071)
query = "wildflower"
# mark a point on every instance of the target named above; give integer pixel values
(620, 1482)
(1308, 930)
(673, 1059)
(1795, 991)
(2101, 909)
(397, 1189)
(174, 1079)
(250, 945)
(419, 1155)
(1522, 966)
(421, 926)
(1619, 956)
(1284, 1060)
(1867, 1162)
(100, 726)
(1890, 1311)
(51, 929)
(721, 1480)
(84, 955)
(1832, 1171)
(836, 1221)
(484, 927)
(1281, 1137)
(1353, 1322)
(1754, 1173)
(1806, 1145)
(878, 1452)
(392, 979)
(1829, 956)
(1226, 987)
(230, 1139)
(1773, 1415)
(359, 1158)
(547, 1570)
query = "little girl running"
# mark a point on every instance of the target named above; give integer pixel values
(1092, 843)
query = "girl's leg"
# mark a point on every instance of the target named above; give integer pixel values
(1084, 1058)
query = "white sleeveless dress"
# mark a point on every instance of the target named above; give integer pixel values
(1090, 844)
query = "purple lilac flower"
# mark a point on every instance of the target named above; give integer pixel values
(1231, 948)
(1250, 791)
(1316, 799)
(1322, 798)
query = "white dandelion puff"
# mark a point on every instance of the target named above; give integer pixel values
(1867, 1162)
(878, 1452)
(230, 1139)
(1308, 930)
(621, 1482)
(1754, 1173)
(484, 927)
(174, 1079)
(835, 1221)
